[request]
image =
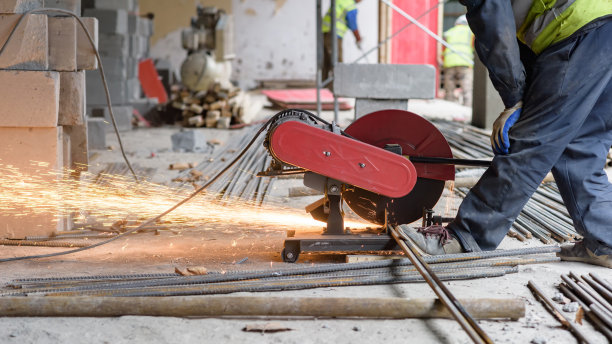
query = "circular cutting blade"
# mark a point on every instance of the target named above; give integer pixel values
(417, 137)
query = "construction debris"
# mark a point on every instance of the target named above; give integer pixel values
(215, 108)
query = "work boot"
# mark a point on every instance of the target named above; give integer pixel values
(433, 240)
(578, 252)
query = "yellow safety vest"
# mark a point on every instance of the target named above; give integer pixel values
(342, 8)
(541, 23)
(460, 37)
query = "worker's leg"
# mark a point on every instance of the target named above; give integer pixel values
(467, 79)
(449, 84)
(582, 181)
(327, 48)
(568, 81)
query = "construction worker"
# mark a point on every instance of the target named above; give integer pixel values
(556, 84)
(346, 14)
(457, 66)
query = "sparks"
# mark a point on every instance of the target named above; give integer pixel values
(42, 191)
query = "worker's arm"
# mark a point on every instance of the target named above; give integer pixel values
(351, 22)
(492, 22)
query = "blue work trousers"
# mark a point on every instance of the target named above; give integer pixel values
(566, 127)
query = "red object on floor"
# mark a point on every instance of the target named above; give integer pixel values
(305, 98)
(150, 83)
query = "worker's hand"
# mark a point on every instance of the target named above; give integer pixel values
(499, 137)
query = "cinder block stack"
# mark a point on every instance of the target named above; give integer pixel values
(42, 102)
(124, 42)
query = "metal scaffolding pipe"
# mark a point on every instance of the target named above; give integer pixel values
(183, 306)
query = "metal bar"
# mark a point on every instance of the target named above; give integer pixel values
(602, 315)
(452, 304)
(601, 281)
(427, 31)
(557, 313)
(598, 324)
(598, 287)
(334, 34)
(448, 161)
(319, 55)
(389, 308)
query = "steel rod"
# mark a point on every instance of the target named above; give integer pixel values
(557, 313)
(450, 302)
(598, 323)
(183, 306)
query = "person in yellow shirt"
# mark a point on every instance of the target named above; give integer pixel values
(457, 68)
(346, 19)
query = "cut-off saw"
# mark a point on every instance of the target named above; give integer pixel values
(389, 167)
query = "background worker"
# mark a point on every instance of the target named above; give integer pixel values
(346, 19)
(556, 84)
(457, 68)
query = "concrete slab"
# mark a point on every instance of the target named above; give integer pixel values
(385, 81)
(126, 5)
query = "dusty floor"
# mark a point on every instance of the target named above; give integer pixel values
(220, 248)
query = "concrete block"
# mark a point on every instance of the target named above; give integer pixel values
(189, 141)
(123, 117)
(138, 25)
(115, 68)
(132, 67)
(109, 21)
(134, 90)
(28, 48)
(126, 5)
(86, 56)
(33, 152)
(73, 6)
(72, 98)
(95, 90)
(29, 98)
(139, 46)
(113, 45)
(66, 162)
(62, 44)
(19, 6)
(487, 104)
(79, 154)
(366, 106)
(385, 81)
(96, 133)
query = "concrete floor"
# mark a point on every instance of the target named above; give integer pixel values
(220, 247)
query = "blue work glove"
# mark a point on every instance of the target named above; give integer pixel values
(499, 137)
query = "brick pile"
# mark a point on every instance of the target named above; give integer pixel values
(123, 42)
(42, 111)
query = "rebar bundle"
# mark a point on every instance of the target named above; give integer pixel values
(448, 267)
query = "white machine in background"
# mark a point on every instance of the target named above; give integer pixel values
(209, 45)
